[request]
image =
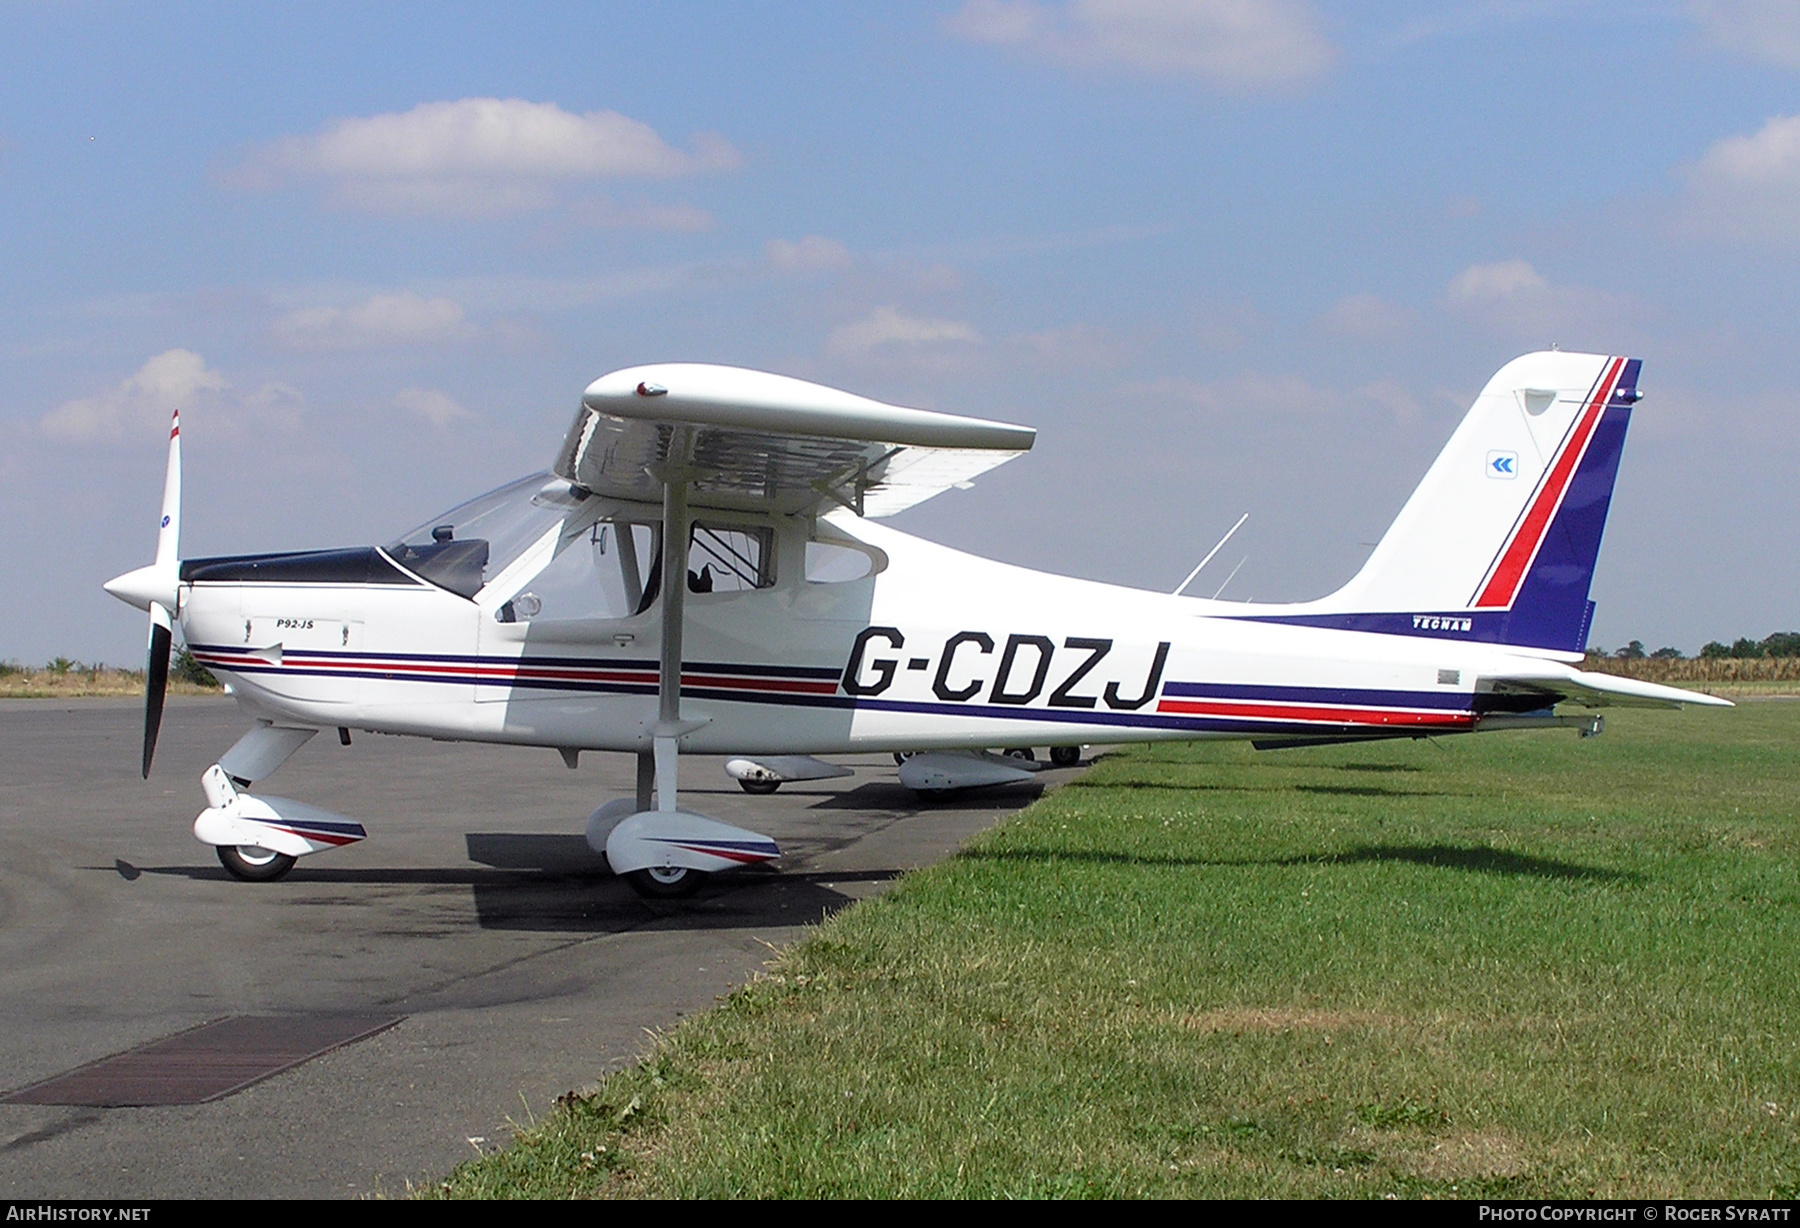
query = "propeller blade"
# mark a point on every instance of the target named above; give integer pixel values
(160, 582)
(156, 680)
(168, 529)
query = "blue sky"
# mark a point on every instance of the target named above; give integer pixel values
(1227, 255)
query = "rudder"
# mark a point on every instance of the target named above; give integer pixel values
(1500, 540)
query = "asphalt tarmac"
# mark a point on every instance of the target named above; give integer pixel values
(475, 909)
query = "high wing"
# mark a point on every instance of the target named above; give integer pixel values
(1557, 682)
(772, 443)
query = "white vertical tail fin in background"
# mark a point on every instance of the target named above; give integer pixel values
(1498, 543)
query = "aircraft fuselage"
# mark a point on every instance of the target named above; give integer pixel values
(934, 650)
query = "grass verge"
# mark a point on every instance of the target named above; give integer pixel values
(64, 679)
(1512, 965)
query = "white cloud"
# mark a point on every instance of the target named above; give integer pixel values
(1467, 21)
(608, 215)
(1395, 399)
(1767, 30)
(276, 405)
(384, 320)
(811, 254)
(1748, 187)
(433, 406)
(1366, 317)
(1076, 346)
(1230, 44)
(886, 326)
(1504, 280)
(1252, 395)
(1226, 325)
(474, 157)
(1512, 297)
(1248, 393)
(452, 198)
(173, 380)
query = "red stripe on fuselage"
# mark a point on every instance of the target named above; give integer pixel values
(334, 839)
(524, 673)
(743, 859)
(1503, 586)
(1313, 713)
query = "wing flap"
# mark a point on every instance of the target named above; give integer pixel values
(771, 443)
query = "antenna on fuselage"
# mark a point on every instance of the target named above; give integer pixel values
(1234, 572)
(1209, 556)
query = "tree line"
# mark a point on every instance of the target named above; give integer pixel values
(1780, 644)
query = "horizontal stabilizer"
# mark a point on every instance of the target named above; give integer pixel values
(1597, 690)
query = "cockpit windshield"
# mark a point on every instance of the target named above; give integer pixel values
(472, 543)
(561, 553)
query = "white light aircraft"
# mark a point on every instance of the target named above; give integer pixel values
(544, 613)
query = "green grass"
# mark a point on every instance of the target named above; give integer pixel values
(64, 678)
(1518, 965)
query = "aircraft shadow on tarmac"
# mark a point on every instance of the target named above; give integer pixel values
(893, 799)
(556, 884)
(890, 796)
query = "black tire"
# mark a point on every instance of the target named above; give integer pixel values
(1065, 756)
(1021, 752)
(901, 756)
(759, 787)
(252, 864)
(665, 883)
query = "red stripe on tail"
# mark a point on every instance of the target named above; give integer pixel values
(1503, 586)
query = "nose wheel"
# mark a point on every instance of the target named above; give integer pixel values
(253, 864)
(664, 882)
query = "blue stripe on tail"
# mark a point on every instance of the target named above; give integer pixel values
(1551, 610)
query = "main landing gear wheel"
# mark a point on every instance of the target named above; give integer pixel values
(759, 786)
(665, 882)
(1065, 756)
(253, 864)
(1021, 752)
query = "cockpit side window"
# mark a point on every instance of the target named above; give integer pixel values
(730, 558)
(597, 571)
(595, 561)
(836, 557)
(830, 562)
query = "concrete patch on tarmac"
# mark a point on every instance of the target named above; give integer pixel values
(475, 910)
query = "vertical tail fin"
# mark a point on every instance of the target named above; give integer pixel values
(1499, 542)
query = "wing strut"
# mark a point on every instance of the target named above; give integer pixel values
(674, 473)
(666, 851)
